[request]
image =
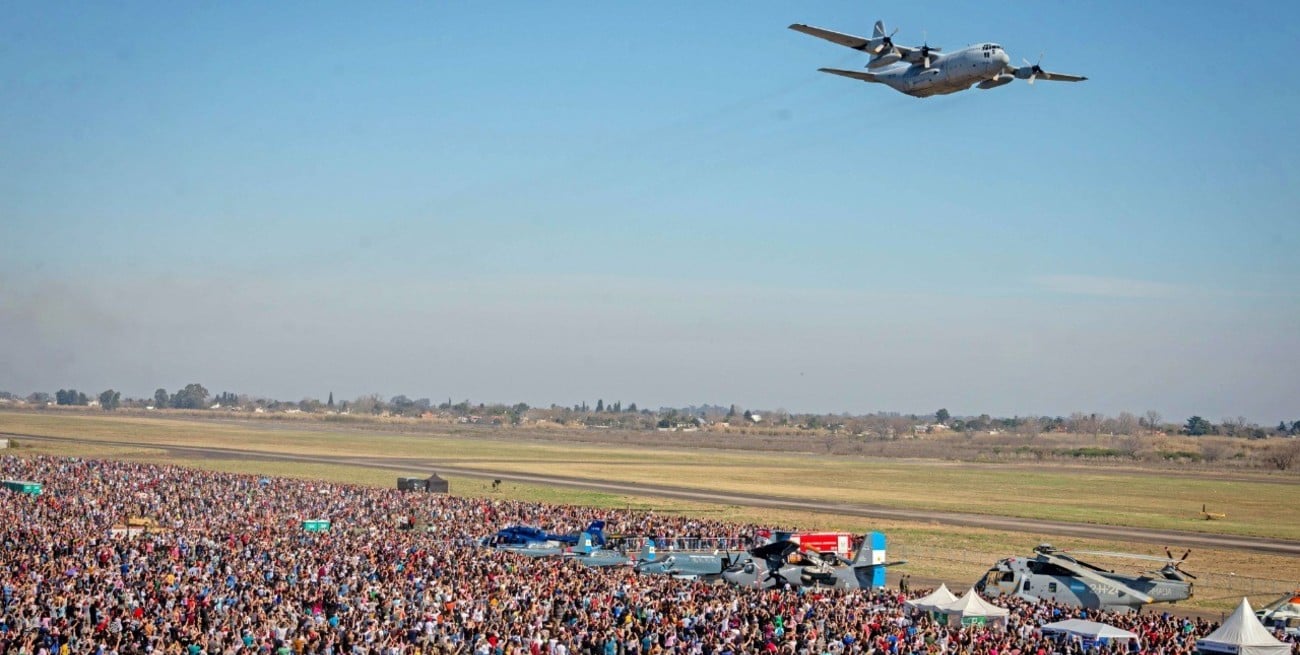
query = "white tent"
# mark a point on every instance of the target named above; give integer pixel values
(971, 609)
(1242, 634)
(931, 602)
(1090, 631)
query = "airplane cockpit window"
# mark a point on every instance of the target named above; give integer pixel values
(1008, 576)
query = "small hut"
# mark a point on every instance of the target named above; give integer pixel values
(431, 484)
(410, 484)
(435, 484)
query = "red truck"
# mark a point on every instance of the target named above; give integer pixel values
(843, 544)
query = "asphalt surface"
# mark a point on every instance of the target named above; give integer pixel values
(1043, 528)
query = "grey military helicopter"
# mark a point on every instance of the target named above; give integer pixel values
(1060, 576)
(768, 567)
(926, 71)
(687, 565)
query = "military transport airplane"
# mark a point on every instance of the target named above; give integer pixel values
(925, 71)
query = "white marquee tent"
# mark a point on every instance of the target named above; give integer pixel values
(932, 601)
(1090, 631)
(971, 609)
(1242, 634)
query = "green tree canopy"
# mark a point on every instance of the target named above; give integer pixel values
(110, 400)
(1197, 426)
(193, 396)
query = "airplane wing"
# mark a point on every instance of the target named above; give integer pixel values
(857, 75)
(1060, 77)
(1035, 72)
(846, 40)
(776, 551)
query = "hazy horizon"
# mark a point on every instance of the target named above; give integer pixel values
(662, 204)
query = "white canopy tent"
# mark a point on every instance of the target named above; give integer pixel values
(1090, 631)
(1242, 634)
(970, 609)
(931, 602)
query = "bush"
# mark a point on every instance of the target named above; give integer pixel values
(1093, 452)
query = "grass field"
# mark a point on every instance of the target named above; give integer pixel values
(1264, 506)
(1259, 507)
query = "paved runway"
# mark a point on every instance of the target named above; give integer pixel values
(1042, 528)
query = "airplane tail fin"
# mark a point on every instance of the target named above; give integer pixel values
(597, 531)
(647, 553)
(879, 31)
(585, 543)
(871, 555)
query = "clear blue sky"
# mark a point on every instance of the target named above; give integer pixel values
(662, 203)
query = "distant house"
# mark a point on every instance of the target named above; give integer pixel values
(755, 418)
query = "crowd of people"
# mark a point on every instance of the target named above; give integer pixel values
(225, 566)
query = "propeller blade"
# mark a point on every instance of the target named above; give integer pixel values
(1031, 79)
(1189, 552)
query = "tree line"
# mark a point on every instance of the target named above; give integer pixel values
(195, 396)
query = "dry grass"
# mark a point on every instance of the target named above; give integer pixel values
(1257, 505)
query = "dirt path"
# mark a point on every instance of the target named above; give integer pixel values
(1047, 529)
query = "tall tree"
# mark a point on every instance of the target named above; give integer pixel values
(193, 396)
(600, 405)
(160, 398)
(1154, 421)
(1197, 426)
(330, 404)
(110, 400)
(942, 416)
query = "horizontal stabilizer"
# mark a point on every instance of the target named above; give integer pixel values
(857, 75)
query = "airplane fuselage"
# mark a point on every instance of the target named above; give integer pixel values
(984, 64)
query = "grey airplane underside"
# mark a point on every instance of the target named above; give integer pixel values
(927, 71)
(695, 565)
